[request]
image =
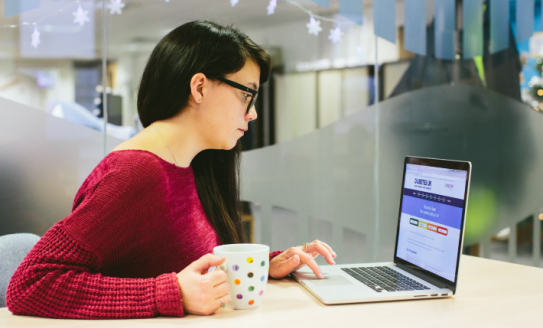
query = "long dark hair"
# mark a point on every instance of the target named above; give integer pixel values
(214, 50)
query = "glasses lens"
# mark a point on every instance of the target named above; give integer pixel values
(251, 104)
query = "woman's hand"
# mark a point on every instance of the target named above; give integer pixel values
(295, 258)
(201, 291)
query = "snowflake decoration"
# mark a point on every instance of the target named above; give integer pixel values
(35, 37)
(335, 35)
(115, 6)
(81, 16)
(314, 26)
(234, 2)
(271, 7)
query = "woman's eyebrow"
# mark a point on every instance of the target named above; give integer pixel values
(253, 86)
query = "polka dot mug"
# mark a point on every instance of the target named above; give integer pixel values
(246, 266)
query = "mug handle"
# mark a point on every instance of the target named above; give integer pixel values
(220, 267)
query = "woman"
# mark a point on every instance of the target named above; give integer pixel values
(138, 242)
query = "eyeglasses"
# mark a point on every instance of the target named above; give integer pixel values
(253, 93)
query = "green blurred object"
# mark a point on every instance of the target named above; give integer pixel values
(480, 68)
(482, 212)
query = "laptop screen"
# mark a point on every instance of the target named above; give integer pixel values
(430, 229)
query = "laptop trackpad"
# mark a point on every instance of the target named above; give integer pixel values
(330, 281)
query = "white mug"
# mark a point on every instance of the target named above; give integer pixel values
(246, 267)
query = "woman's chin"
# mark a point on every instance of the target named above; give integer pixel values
(231, 146)
(228, 146)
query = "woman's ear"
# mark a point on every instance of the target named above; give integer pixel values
(197, 87)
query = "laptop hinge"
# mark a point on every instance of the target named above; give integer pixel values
(433, 281)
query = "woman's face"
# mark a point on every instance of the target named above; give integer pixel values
(224, 108)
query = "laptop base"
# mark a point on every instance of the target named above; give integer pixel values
(338, 287)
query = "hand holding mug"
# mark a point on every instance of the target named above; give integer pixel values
(202, 292)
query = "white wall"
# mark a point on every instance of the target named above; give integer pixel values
(301, 98)
(330, 96)
(295, 101)
(355, 90)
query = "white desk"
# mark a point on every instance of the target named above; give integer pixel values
(490, 294)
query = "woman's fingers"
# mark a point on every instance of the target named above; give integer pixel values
(203, 263)
(325, 245)
(308, 260)
(216, 277)
(295, 258)
(284, 264)
(225, 299)
(221, 289)
(329, 248)
(317, 247)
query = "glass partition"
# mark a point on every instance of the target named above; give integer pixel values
(51, 95)
(354, 89)
(52, 61)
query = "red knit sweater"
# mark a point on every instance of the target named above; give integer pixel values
(136, 221)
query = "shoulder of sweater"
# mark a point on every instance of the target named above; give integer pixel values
(134, 159)
(133, 163)
(135, 168)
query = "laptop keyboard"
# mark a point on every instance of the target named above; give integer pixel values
(384, 278)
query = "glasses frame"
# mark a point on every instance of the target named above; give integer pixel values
(254, 93)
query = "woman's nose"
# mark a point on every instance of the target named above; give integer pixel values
(252, 115)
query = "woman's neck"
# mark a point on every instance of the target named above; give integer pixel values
(180, 135)
(178, 132)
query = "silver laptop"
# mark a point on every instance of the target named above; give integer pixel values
(429, 240)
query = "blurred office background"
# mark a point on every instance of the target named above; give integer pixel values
(356, 86)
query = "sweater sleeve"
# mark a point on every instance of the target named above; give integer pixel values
(60, 277)
(55, 280)
(274, 254)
